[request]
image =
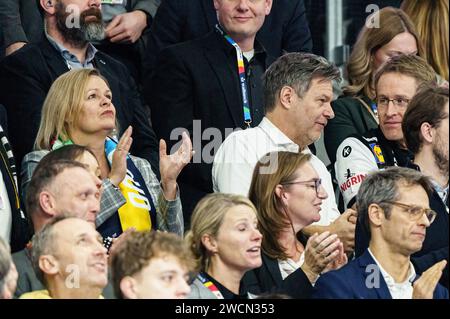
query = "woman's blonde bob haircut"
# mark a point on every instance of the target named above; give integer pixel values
(206, 219)
(392, 22)
(272, 217)
(62, 106)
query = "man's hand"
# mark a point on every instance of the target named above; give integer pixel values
(126, 27)
(426, 284)
(344, 227)
(14, 47)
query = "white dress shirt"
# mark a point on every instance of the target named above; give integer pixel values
(238, 155)
(401, 290)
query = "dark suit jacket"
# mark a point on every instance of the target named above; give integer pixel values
(196, 80)
(20, 233)
(359, 279)
(286, 28)
(26, 77)
(267, 279)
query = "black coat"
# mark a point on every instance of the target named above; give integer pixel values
(286, 27)
(26, 77)
(197, 80)
(267, 280)
(20, 228)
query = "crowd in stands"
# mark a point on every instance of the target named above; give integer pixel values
(165, 149)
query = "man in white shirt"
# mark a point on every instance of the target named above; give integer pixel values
(393, 206)
(297, 92)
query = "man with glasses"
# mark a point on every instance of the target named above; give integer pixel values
(396, 84)
(393, 207)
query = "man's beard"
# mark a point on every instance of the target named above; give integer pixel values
(78, 34)
(440, 155)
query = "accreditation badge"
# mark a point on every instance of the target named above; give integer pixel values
(376, 150)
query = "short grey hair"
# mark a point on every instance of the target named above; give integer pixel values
(296, 70)
(5, 263)
(43, 243)
(383, 186)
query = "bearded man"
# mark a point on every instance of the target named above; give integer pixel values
(26, 76)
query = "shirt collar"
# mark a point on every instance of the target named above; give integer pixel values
(90, 53)
(277, 137)
(389, 279)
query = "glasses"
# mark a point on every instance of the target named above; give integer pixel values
(317, 184)
(400, 101)
(416, 212)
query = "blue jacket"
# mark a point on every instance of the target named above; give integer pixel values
(353, 281)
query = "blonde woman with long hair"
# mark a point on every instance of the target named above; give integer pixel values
(430, 18)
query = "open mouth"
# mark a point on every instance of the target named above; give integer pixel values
(100, 266)
(254, 250)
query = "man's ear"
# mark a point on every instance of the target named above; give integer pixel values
(210, 243)
(268, 7)
(426, 130)
(47, 203)
(286, 95)
(128, 287)
(48, 264)
(48, 6)
(376, 215)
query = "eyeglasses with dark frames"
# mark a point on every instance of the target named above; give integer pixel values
(415, 212)
(317, 183)
(399, 101)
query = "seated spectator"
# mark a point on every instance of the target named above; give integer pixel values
(26, 77)
(152, 265)
(75, 268)
(288, 199)
(425, 129)
(71, 152)
(57, 187)
(298, 93)
(8, 272)
(393, 206)
(127, 25)
(431, 21)
(87, 117)
(14, 225)
(357, 112)
(226, 243)
(209, 87)
(396, 84)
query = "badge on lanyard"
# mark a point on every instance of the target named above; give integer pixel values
(113, 2)
(376, 149)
